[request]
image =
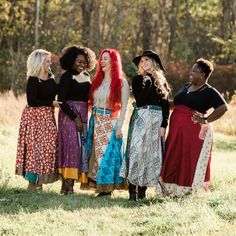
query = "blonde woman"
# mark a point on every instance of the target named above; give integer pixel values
(143, 160)
(37, 141)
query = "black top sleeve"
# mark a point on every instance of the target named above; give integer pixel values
(63, 94)
(165, 112)
(38, 93)
(215, 98)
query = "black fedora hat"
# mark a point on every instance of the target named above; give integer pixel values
(151, 54)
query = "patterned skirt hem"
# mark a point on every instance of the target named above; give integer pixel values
(105, 188)
(171, 189)
(41, 179)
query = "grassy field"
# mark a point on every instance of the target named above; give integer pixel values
(49, 213)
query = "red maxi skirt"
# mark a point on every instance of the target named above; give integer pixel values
(188, 153)
(37, 145)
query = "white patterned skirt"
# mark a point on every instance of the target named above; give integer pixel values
(143, 159)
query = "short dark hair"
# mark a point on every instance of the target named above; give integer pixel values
(205, 66)
(69, 55)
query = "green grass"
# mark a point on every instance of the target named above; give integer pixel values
(224, 143)
(49, 213)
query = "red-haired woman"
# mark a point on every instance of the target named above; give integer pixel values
(109, 96)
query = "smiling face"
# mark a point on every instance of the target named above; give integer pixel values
(80, 63)
(106, 62)
(196, 76)
(46, 64)
(146, 63)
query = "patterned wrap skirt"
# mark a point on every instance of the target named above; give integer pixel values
(73, 160)
(143, 158)
(105, 152)
(188, 153)
(37, 145)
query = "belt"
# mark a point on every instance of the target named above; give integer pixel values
(151, 107)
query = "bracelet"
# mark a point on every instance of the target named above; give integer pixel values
(206, 121)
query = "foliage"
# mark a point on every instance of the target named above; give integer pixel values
(180, 31)
(223, 78)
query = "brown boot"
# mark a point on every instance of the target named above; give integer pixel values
(63, 186)
(31, 187)
(69, 186)
(39, 187)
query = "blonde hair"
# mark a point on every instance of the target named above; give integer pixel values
(35, 62)
(160, 81)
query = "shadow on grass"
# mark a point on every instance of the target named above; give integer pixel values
(16, 200)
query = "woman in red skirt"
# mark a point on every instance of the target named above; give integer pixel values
(188, 149)
(37, 142)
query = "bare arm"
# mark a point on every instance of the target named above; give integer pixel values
(215, 115)
(124, 103)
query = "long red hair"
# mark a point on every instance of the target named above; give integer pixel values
(116, 80)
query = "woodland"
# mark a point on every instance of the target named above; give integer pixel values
(180, 31)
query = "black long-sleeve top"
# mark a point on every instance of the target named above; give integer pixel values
(148, 95)
(70, 89)
(40, 92)
(200, 100)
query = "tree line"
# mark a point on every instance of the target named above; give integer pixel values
(180, 31)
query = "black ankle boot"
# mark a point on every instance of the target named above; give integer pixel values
(132, 192)
(141, 192)
(69, 186)
(63, 187)
(102, 194)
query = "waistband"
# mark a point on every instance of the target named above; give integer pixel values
(103, 111)
(150, 107)
(186, 110)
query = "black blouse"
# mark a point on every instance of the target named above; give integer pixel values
(147, 95)
(40, 92)
(200, 100)
(70, 89)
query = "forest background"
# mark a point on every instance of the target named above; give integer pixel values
(180, 31)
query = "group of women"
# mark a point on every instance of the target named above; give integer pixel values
(94, 154)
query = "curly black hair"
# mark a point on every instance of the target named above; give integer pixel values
(205, 66)
(69, 55)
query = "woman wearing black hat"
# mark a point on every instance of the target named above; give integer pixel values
(143, 160)
(72, 121)
(189, 142)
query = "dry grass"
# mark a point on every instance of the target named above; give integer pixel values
(227, 124)
(12, 107)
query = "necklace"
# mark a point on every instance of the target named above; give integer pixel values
(82, 77)
(194, 90)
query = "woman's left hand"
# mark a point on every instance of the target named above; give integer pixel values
(56, 104)
(162, 132)
(119, 133)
